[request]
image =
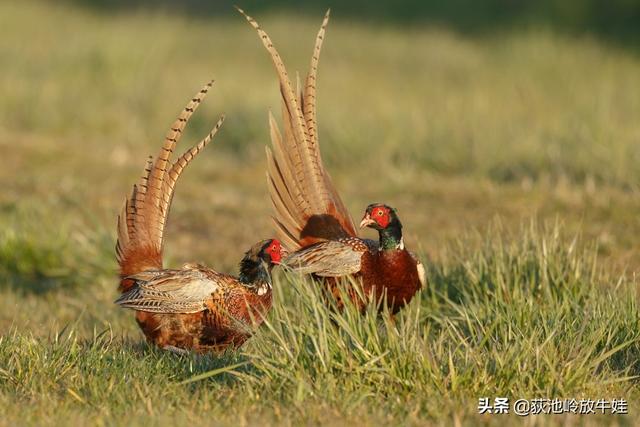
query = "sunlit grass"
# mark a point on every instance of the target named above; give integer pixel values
(521, 318)
(454, 131)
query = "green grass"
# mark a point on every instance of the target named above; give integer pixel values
(524, 318)
(470, 137)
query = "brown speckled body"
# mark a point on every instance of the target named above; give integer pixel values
(227, 322)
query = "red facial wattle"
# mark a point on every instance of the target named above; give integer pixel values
(381, 216)
(275, 252)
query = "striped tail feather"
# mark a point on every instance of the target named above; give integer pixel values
(143, 216)
(307, 207)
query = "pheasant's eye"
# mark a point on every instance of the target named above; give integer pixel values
(274, 247)
(380, 213)
(275, 252)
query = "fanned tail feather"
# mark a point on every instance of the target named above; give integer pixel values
(307, 207)
(143, 216)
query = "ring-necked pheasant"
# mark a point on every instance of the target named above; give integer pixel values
(193, 308)
(310, 217)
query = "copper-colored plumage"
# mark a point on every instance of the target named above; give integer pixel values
(193, 308)
(310, 218)
(141, 222)
(222, 317)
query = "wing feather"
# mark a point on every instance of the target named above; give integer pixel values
(328, 259)
(172, 291)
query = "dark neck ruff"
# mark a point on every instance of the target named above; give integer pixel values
(253, 272)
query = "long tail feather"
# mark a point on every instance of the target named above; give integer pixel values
(309, 96)
(176, 169)
(143, 217)
(299, 186)
(153, 201)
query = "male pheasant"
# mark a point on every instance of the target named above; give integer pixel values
(311, 219)
(192, 308)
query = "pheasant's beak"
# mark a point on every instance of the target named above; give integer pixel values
(366, 221)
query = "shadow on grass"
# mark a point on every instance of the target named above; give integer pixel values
(37, 266)
(33, 266)
(40, 253)
(130, 354)
(192, 369)
(614, 21)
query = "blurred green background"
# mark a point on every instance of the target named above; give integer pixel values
(457, 113)
(615, 20)
(461, 114)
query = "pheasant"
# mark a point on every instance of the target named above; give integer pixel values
(311, 219)
(192, 308)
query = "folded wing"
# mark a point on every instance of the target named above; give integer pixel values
(328, 259)
(172, 291)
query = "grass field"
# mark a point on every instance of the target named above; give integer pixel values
(513, 159)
